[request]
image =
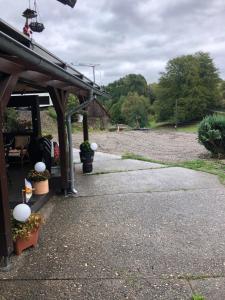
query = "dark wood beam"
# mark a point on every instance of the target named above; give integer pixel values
(9, 67)
(85, 126)
(6, 245)
(7, 86)
(36, 118)
(35, 76)
(59, 99)
(57, 84)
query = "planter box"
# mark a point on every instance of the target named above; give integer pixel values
(41, 187)
(22, 244)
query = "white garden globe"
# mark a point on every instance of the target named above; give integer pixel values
(40, 167)
(21, 212)
(94, 146)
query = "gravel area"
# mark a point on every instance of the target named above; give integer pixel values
(162, 145)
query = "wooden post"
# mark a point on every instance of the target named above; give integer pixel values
(59, 99)
(85, 126)
(36, 119)
(7, 85)
(6, 246)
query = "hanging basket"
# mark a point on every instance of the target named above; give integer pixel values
(29, 13)
(37, 27)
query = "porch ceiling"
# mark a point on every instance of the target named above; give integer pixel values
(37, 68)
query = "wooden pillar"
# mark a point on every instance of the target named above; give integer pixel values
(6, 246)
(85, 126)
(36, 118)
(59, 99)
(82, 99)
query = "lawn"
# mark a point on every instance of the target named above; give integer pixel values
(212, 166)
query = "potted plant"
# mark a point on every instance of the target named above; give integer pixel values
(86, 156)
(39, 181)
(25, 234)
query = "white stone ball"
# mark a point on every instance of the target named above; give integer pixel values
(21, 212)
(94, 146)
(40, 167)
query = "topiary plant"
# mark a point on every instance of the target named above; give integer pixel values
(211, 134)
(85, 147)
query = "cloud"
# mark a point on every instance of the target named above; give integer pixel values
(127, 36)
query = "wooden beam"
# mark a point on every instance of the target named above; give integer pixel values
(59, 98)
(9, 67)
(56, 99)
(36, 118)
(35, 76)
(85, 126)
(57, 84)
(6, 245)
(7, 86)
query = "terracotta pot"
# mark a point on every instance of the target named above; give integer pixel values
(41, 187)
(22, 244)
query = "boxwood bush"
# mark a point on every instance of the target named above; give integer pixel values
(211, 134)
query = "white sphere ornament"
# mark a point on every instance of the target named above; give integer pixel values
(21, 212)
(94, 146)
(40, 167)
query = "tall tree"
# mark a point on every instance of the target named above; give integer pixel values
(188, 88)
(129, 83)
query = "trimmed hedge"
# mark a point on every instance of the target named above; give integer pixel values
(211, 134)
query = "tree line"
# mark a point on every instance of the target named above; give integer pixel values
(188, 89)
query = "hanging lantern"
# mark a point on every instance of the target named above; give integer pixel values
(21, 212)
(71, 3)
(40, 167)
(29, 13)
(37, 26)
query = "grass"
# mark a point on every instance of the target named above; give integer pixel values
(198, 297)
(191, 128)
(214, 166)
(129, 155)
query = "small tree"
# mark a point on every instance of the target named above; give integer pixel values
(135, 109)
(211, 134)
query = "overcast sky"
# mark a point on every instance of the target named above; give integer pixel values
(127, 36)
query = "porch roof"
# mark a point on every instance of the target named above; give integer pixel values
(37, 68)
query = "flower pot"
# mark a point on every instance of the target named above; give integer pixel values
(23, 243)
(87, 158)
(87, 167)
(41, 187)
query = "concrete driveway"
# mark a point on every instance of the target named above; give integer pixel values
(136, 230)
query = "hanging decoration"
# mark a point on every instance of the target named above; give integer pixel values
(35, 25)
(27, 190)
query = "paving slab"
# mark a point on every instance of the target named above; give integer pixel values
(147, 235)
(210, 288)
(99, 156)
(115, 166)
(163, 179)
(137, 234)
(107, 289)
